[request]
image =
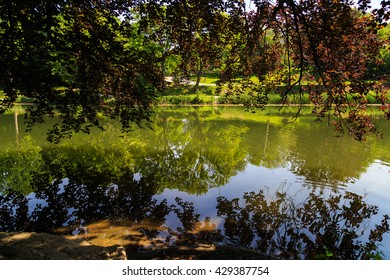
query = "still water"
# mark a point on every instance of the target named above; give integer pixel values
(203, 176)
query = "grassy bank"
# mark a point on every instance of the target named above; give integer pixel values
(206, 95)
(183, 94)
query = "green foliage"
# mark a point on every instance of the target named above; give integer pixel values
(87, 50)
(384, 34)
(110, 57)
(186, 99)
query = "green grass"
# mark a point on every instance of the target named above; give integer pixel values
(207, 78)
(188, 89)
(206, 95)
(186, 99)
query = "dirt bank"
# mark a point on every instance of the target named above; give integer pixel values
(43, 246)
(33, 246)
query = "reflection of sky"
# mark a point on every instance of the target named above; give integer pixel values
(371, 174)
(375, 182)
(254, 178)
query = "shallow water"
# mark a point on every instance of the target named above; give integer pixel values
(203, 175)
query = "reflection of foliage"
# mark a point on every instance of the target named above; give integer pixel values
(13, 212)
(83, 180)
(191, 153)
(193, 229)
(323, 226)
(20, 166)
(193, 149)
(187, 215)
(75, 202)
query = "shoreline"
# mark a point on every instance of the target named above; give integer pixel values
(46, 246)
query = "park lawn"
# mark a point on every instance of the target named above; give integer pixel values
(207, 95)
(207, 78)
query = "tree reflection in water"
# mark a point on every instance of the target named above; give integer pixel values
(326, 225)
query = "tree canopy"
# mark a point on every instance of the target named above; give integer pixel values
(80, 60)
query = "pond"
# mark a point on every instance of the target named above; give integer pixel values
(203, 176)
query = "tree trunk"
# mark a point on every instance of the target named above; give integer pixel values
(198, 75)
(163, 59)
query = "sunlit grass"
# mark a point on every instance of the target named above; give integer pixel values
(208, 78)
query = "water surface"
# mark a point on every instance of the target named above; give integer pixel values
(203, 175)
